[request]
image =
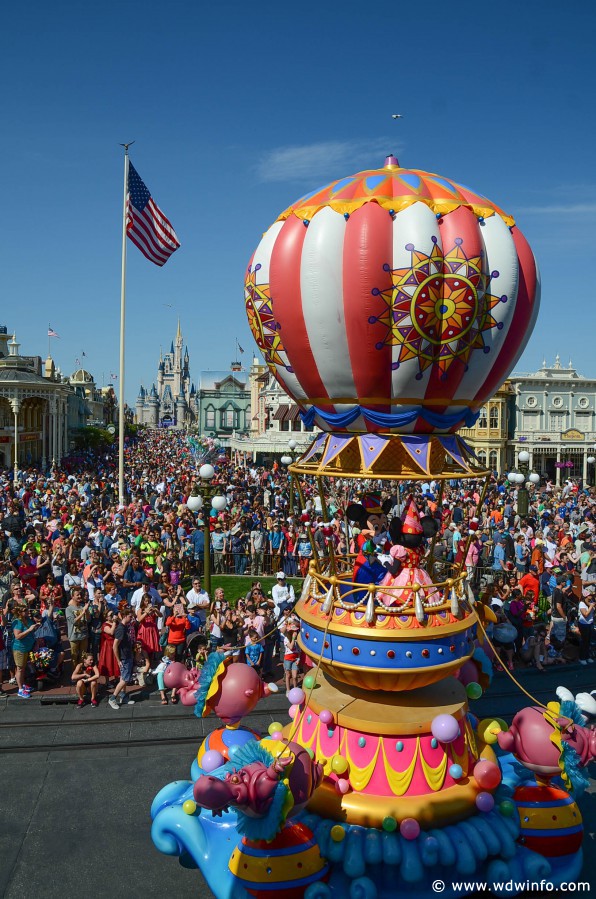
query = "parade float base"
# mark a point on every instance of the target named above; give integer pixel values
(396, 768)
(369, 863)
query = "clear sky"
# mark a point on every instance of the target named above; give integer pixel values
(238, 109)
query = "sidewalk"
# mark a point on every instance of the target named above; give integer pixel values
(64, 691)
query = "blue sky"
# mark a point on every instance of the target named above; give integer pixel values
(238, 109)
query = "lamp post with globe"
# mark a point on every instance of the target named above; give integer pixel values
(210, 498)
(287, 460)
(522, 478)
(590, 460)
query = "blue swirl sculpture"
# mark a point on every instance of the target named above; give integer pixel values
(369, 863)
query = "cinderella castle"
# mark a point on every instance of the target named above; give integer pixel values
(174, 403)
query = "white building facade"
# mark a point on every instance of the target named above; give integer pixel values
(554, 419)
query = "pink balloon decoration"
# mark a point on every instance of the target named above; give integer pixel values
(487, 774)
(293, 711)
(326, 717)
(343, 785)
(211, 760)
(409, 828)
(277, 735)
(296, 696)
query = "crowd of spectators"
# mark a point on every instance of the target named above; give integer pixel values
(111, 592)
(118, 586)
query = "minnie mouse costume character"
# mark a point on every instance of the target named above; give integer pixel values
(409, 534)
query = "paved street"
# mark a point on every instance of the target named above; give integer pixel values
(73, 816)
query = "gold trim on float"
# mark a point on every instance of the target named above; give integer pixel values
(393, 461)
(430, 810)
(410, 714)
(404, 475)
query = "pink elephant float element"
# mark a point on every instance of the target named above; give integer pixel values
(551, 742)
(184, 680)
(229, 689)
(265, 783)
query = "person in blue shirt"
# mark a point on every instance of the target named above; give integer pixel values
(197, 539)
(521, 555)
(499, 558)
(24, 629)
(253, 650)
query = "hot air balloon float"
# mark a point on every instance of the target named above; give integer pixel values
(390, 305)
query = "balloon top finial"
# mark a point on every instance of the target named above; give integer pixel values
(391, 162)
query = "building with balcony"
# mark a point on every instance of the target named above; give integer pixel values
(33, 408)
(490, 436)
(554, 419)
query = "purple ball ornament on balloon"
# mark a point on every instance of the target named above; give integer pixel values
(296, 696)
(445, 728)
(485, 802)
(326, 717)
(409, 828)
(211, 760)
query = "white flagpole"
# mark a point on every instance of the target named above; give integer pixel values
(121, 494)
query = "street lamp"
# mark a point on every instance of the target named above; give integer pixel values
(522, 478)
(212, 499)
(590, 460)
(523, 461)
(292, 447)
(287, 460)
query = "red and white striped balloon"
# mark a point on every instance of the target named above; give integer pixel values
(392, 301)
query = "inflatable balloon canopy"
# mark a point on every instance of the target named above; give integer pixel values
(393, 300)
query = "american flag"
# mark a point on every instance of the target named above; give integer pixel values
(146, 225)
(52, 333)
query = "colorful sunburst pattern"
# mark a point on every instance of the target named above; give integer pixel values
(438, 308)
(264, 327)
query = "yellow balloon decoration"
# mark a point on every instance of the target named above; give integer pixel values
(339, 764)
(337, 833)
(189, 807)
(488, 729)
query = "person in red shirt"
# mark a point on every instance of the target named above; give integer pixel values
(496, 516)
(529, 584)
(178, 625)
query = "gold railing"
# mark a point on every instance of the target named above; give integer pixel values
(330, 584)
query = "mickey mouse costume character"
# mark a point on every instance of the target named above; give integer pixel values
(409, 534)
(374, 537)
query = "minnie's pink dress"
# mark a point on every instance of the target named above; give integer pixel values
(410, 573)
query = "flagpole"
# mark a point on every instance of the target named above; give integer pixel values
(121, 494)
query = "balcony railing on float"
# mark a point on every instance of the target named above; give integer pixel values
(332, 591)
